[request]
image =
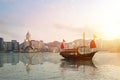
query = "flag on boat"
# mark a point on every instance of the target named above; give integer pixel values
(92, 44)
(63, 40)
(94, 36)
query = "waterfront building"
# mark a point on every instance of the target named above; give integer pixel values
(36, 45)
(5, 46)
(21, 47)
(55, 50)
(27, 43)
(31, 45)
(1, 44)
(15, 45)
(43, 47)
(27, 40)
(9, 46)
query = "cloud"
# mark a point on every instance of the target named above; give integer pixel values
(8, 33)
(3, 22)
(62, 26)
(78, 30)
(75, 29)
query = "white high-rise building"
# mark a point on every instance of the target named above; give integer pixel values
(27, 40)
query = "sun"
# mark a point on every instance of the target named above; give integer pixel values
(111, 31)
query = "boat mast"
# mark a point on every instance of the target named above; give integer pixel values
(84, 49)
(84, 41)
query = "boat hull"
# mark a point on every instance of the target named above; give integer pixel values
(74, 54)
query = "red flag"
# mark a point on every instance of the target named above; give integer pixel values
(63, 40)
(92, 44)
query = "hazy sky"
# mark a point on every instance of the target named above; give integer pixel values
(50, 20)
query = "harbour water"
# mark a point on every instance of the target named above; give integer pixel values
(51, 66)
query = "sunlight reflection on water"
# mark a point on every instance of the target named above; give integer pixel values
(51, 66)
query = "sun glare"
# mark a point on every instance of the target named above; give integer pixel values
(111, 32)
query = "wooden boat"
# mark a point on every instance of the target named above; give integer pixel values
(77, 54)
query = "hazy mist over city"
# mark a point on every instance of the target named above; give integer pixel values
(51, 20)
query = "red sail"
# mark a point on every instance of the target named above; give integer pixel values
(92, 44)
(62, 46)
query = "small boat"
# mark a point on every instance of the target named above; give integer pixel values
(75, 54)
(81, 53)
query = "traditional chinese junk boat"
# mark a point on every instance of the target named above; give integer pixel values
(81, 52)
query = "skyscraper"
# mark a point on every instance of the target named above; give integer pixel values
(28, 36)
(15, 45)
(1, 44)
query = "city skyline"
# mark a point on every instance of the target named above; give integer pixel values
(51, 20)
